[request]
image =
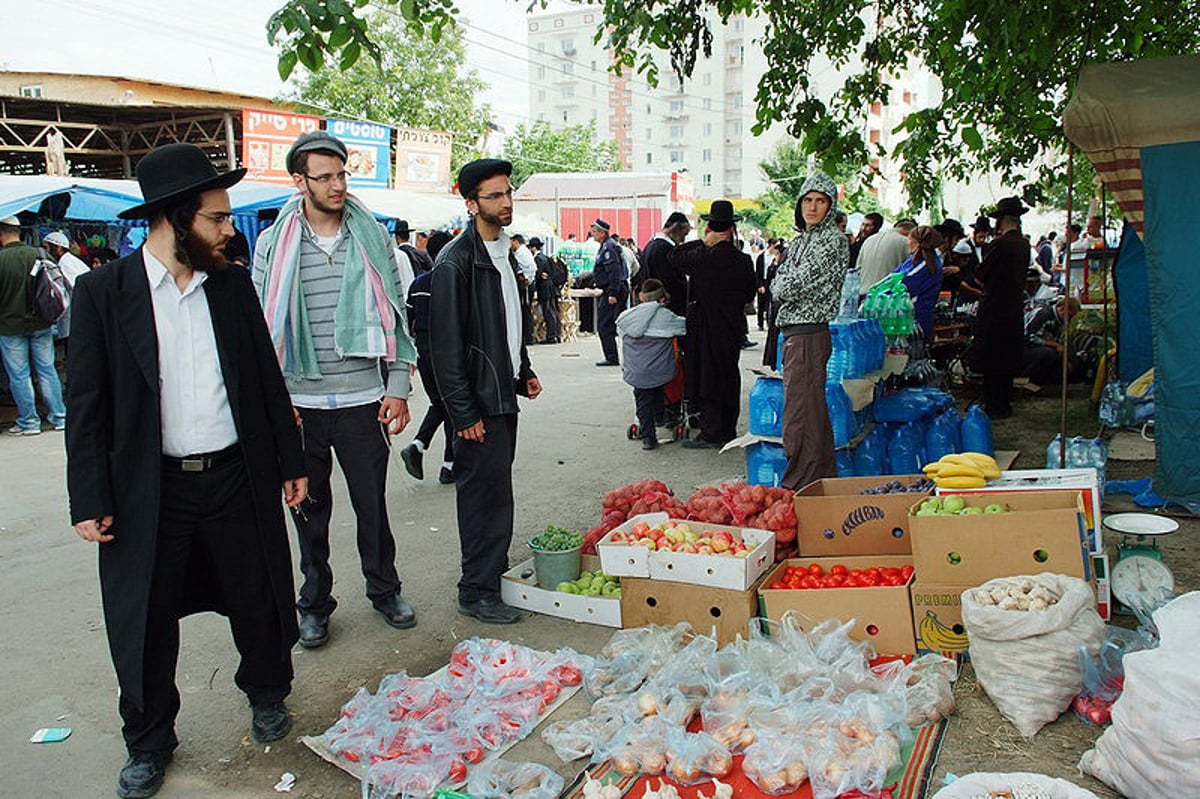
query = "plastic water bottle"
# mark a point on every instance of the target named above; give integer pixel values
(765, 464)
(850, 289)
(835, 369)
(840, 412)
(1098, 459)
(779, 354)
(1112, 400)
(939, 438)
(1077, 453)
(904, 456)
(766, 407)
(977, 432)
(845, 463)
(870, 456)
(1052, 451)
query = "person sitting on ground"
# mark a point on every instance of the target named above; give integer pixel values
(647, 332)
(1045, 342)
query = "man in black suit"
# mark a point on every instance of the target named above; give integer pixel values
(180, 439)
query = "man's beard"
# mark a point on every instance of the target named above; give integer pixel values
(494, 219)
(199, 254)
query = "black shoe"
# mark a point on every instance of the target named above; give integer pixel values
(747, 344)
(270, 722)
(649, 443)
(608, 363)
(700, 443)
(445, 476)
(413, 458)
(314, 630)
(397, 612)
(142, 775)
(490, 610)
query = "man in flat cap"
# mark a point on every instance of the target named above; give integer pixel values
(611, 276)
(481, 365)
(181, 437)
(331, 289)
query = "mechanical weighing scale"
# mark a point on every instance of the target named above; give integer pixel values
(1139, 577)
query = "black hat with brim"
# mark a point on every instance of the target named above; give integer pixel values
(1009, 206)
(476, 172)
(721, 212)
(950, 227)
(175, 171)
(982, 223)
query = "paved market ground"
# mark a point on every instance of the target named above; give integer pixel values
(572, 449)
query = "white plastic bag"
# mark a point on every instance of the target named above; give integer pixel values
(1028, 660)
(1152, 749)
(1020, 785)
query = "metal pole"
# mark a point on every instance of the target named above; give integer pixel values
(1062, 414)
(230, 142)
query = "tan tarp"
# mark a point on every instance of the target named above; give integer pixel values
(576, 186)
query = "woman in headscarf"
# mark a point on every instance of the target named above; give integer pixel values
(922, 272)
(808, 288)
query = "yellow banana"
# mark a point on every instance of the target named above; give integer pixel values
(957, 457)
(986, 463)
(959, 470)
(940, 638)
(959, 482)
(932, 468)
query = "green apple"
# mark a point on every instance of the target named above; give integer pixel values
(610, 589)
(953, 503)
(585, 577)
(928, 511)
(996, 509)
(970, 510)
(567, 587)
(932, 504)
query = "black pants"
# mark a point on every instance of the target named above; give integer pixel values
(763, 303)
(1042, 365)
(360, 442)
(550, 315)
(484, 499)
(997, 394)
(606, 327)
(206, 515)
(649, 404)
(436, 415)
(718, 421)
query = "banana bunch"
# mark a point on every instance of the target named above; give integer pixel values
(963, 470)
(939, 637)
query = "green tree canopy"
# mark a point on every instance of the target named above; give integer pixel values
(1006, 69)
(416, 82)
(575, 148)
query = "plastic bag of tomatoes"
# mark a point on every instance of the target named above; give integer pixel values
(814, 576)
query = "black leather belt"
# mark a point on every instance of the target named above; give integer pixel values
(203, 461)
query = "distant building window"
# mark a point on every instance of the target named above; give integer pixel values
(876, 108)
(674, 83)
(31, 91)
(735, 100)
(533, 26)
(677, 156)
(568, 91)
(649, 158)
(706, 79)
(739, 24)
(649, 134)
(874, 135)
(707, 103)
(706, 155)
(566, 118)
(676, 132)
(541, 72)
(735, 128)
(568, 68)
(707, 128)
(908, 97)
(541, 95)
(541, 47)
(706, 180)
(648, 108)
(593, 66)
(568, 46)
(558, 23)
(677, 106)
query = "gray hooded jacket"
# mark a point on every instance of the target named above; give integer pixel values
(646, 331)
(808, 285)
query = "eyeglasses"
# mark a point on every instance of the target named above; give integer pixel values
(340, 177)
(218, 218)
(496, 195)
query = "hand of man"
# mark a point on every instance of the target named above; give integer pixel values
(296, 414)
(612, 300)
(295, 491)
(393, 414)
(533, 387)
(473, 433)
(712, 238)
(762, 290)
(94, 530)
(950, 270)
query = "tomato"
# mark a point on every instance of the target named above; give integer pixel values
(810, 582)
(837, 580)
(895, 579)
(777, 585)
(549, 691)
(906, 572)
(815, 570)
(838, 568)
(458, 772)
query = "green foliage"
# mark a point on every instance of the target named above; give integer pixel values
(414, 82)
(787, 167)
(1006, 69)
(576, 148)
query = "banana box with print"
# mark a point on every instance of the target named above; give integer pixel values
(838, 517)
(937, 618)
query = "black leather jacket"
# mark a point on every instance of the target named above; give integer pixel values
(467, 334)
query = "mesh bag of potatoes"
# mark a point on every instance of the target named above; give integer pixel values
(1025, 633)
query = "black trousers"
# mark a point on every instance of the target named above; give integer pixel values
(484, 499)
(718, 421)
(360, 442)
(550, 315)
(206, 515)
(1042, 365)
(436, 415)
(763, 304)
(606, 327)
(649, 404)
(997, 394)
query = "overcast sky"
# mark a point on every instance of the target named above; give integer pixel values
(222, 44)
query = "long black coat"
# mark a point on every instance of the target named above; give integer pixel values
(721, 283)
(999, 326)
(656, 258)
(114, 441)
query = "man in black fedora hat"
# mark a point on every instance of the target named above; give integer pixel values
(611, 276)
(546, 290)
(420, 260)
(181, 438)
(721, 282)
(999, 333)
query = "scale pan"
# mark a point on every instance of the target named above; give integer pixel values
(1140, 524)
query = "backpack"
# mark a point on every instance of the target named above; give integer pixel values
(49, 292)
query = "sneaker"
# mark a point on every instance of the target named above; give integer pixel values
(17, 430)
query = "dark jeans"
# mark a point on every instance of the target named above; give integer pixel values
(649, 404)
(484, 499)
(358, 438)
(606, 328)
(211, 515)
(550, 315)
(763, 304)
(436, 415)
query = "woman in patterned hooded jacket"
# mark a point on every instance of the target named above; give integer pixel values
(808, 288)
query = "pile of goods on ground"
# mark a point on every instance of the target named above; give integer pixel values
(814, 576)
(417, 733)
(737, 504)
(965, 470)
(795, 707)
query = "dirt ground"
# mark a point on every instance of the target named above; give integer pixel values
(572, 448)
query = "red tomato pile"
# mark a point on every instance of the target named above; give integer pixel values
(838, 576)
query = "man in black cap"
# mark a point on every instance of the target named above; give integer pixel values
(332, 292)
(675, 230)
(181, 437)
(420, 260)
(546, 290)
(481, 365)
(999, 332)
(611, 276)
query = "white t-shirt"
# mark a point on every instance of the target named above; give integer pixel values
(72, 268)
(499, 250)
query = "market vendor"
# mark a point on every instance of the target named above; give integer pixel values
(922, 272)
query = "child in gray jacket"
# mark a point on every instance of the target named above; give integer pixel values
(647, 332)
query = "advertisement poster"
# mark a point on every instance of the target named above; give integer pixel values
(422, 159)
(266, 138)
(368, 147)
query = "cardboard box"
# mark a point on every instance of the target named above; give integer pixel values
(722, 611)
(1084, 480)
(882, 615)
(523, 592)
(1042, 532)
(937, 617)
(715, 571)
(835, 517)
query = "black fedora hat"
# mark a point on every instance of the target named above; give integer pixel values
(721, 212)
(982, 223)
(174, 171)
(1009, 206)
(951, 227)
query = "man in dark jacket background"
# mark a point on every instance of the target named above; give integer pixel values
(999, 328)
(611, 276)
(656, 265)
(546, 290)
(481, 365)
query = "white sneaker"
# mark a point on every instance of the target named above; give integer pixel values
(17, 430)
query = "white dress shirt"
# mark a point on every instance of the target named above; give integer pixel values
(194, 404)
(510, 292)
(526, 264)
(72, 267)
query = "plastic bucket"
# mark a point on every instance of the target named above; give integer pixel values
(553, 568)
